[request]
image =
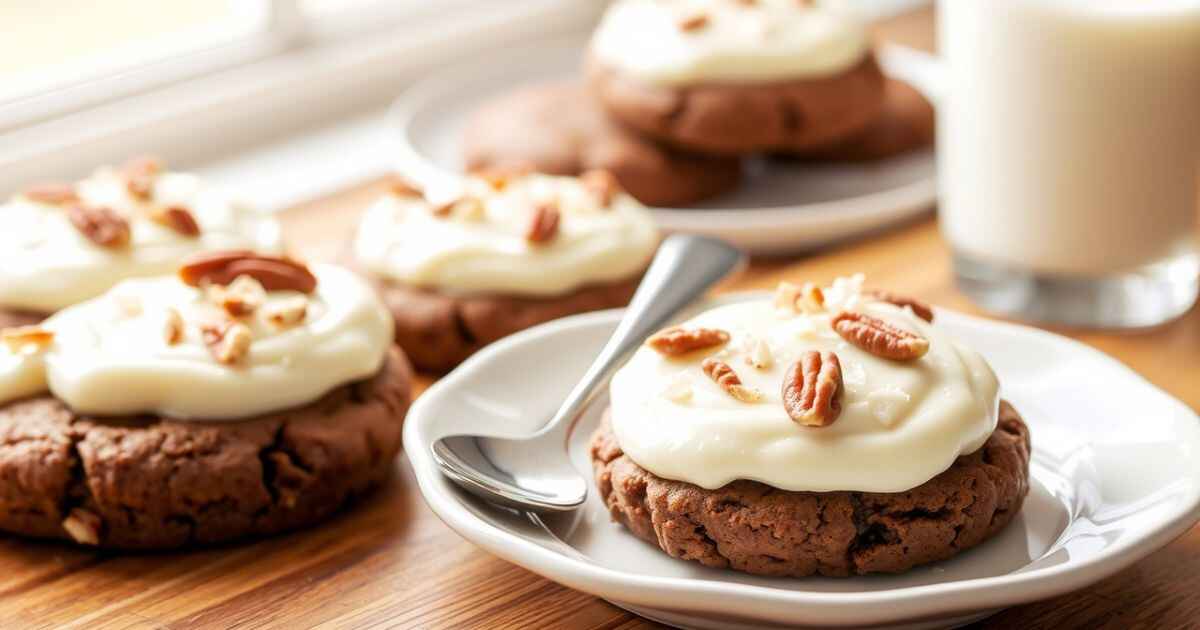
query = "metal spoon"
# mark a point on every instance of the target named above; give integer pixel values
(683, 269)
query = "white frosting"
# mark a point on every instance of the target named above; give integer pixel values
(902, 423)
(769, 40)
(46, 264)
(110, 355)
(402, 240)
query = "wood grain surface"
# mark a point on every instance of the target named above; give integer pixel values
(391, 563)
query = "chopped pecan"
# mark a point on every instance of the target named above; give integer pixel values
(602, 184)
(878, 337)
(139, 175)
(693, 22)
(172, 326)
(811, 389)
(806, 298)
(228, 342)
(274, 273)
(178, 219)
(467, 207)
(728, 380)
(543, 225)
(499, 177)
(55, 194)
(239, 298)
(919, 308)
(100, 225)
(286, 313)
(26, 339)
(83, 526)
(676, 341)
(760, 355)
(405, 188)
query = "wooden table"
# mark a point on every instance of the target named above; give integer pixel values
(391, 563)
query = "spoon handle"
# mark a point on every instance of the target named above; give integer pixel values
(682, 270)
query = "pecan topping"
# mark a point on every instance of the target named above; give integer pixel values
(543, 226)
(806, 298)
(811, 389)
(724, 376)
(467, 207)
(228, 342)
(239, 298)
(602, 184)
(274, 273)
(26, 339)
(83, 526)
(286, 313)
(499, 177)
(179, 219)
(760, 355)
(100, 225)
(878, 337)
(919, 308)
(693, 22)
(676, 341)
(54, 194)
(172, 327)
(140, 174)
(405, 188)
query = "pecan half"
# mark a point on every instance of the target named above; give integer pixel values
(811, 389)
(919, 308)
(55, 194)
(543, 225)
(26, 339)
(602, 184)
(274, 273)
(728, 380)
(139, 175)
(178, 219)
(83, 526)
(100, 225)
(228, 342)
(879, 337)
(676, 341)
(693, 22)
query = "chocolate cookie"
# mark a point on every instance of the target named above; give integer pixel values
(156, 483)
(740, 118)
(558, 128)
(906, 124)
(751, 527)
(13, 318)
(439, 331)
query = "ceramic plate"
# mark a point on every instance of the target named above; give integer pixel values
(1115, 475)
(780, 207)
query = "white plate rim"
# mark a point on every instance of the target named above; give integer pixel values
(904, 603)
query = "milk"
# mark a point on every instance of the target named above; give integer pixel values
(1069, 136)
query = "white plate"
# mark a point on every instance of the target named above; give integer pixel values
(1116, 475)
(780, 207)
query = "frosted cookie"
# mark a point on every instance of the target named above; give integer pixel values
(829, 431)
(906, 124)
(463, 269)
(248, 396)
(729, 78)
(560, 129)
(66, 243)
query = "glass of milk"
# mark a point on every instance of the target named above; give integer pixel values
(1069, 156)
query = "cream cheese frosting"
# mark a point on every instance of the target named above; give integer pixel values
(901, 423)
(47, 264)
(110, 356)
(480, 245)
(677, 42)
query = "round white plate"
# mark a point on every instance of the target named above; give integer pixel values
(1115, 475)
(780, 207)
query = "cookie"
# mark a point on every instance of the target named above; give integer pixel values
(751, 527)
(13, 318)
(558, 128)
(157, 483)
(906, 124)
(438, 331)
(740, 118)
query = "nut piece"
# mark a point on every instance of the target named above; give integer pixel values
(602, 184)
(724, 376)
(83, 526)
(465, 207)
(693, 22)
(811, 389)
(676, 341)
(543, 226)
(919, 308)
(286, 313)
(878, 337)
(229, 342)
(274, 273)
(55, 194)
(806, 298)
(172, 326)
(26, 339)
(760, 355)
(176, 218)
(405, 188)
(499, 177)
(240, 298)
(139, 174)
(100, 225)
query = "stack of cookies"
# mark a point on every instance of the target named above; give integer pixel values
(679, 92)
